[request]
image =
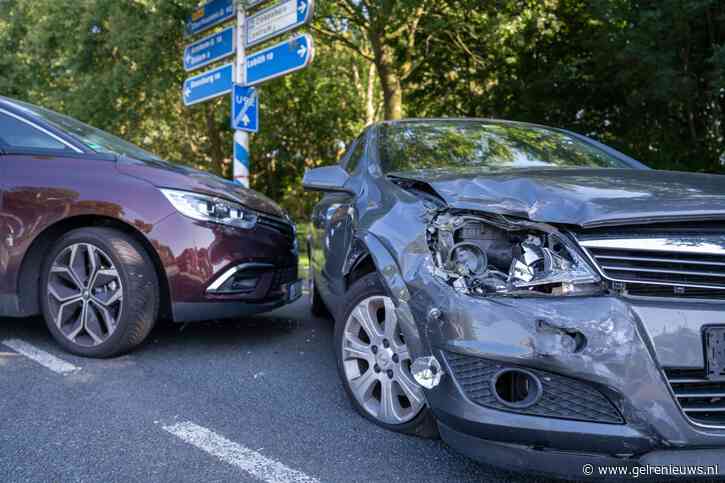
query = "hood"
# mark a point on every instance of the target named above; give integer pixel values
(584, 197)
(168, 175)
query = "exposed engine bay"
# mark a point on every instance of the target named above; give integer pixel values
(481, 255)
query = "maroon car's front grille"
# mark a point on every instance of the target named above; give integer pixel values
(701, 400)
(284, 275)
(277, 224)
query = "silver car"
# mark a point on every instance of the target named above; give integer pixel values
(538, 299)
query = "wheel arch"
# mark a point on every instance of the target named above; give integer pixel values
(359, 266)
(391, 277)
(369, 254)
(28, 283)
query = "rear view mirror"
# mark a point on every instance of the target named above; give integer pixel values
(326, 178)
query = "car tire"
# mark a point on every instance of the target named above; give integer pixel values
(417, 419)
(99, 292)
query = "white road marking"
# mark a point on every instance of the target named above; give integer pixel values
(256, 464)
(41, 357)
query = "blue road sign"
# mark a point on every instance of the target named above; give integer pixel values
(278, 60)
(278, 19)
(210, 14)
(245, 108)
(210, 49)
(210, 84)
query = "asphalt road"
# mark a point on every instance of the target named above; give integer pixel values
(250, 400)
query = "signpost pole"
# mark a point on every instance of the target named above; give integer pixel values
(241, 138)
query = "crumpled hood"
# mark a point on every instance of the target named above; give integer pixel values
(174, 176)
(584, 197)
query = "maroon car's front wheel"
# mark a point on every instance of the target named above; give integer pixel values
(100, 292)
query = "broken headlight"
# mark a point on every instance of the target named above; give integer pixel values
(481, 255)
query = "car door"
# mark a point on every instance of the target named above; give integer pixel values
(27, 151)
(333, 226)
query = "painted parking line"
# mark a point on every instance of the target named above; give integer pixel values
(41, 357)
(257, 465)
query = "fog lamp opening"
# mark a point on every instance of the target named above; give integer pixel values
(516, 388)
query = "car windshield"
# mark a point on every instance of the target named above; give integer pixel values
(95, 139)
(464, 145)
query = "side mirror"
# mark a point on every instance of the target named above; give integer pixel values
(326, 178)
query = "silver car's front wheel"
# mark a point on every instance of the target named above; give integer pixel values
(377, 363)
(85, 294)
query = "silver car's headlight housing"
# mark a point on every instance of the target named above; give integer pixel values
(209, 208)
(488, 255)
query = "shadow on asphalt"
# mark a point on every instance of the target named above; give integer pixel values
(249, 331)
(259, 330)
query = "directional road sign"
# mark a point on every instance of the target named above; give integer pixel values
(278, 19)
(209, 84)
(245, 108)
(210, 49)
(210, 14)
(278, 60)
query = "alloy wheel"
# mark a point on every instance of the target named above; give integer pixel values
(377, 363)
(85, 294)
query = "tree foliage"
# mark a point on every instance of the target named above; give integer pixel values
(644, 76)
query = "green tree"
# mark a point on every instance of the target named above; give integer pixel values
(383, 32)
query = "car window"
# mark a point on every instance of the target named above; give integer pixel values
(472, 145)
(345, 158)
(97, 140)
(356, 154)
(15, 133)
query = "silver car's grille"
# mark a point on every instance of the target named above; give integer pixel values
(687, 266)
(702, 400)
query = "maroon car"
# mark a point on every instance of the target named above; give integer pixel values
(104, 238)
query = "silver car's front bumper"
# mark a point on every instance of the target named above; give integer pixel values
(628, 342)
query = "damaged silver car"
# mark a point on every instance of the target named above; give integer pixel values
(540, 300)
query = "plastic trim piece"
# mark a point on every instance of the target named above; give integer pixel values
(214, 287)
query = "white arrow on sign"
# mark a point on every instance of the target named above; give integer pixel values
(187, 92)
(302, 51)
(248, 102)
(302, 8)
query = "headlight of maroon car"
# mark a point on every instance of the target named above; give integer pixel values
(208, 208)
